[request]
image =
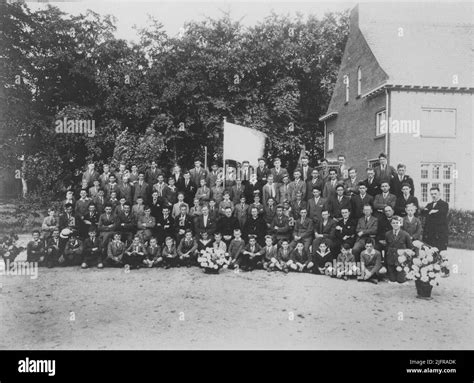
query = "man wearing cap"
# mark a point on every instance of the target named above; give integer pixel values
(278, 172)
(198, 173)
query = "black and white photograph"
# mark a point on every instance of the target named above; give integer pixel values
(237, 175)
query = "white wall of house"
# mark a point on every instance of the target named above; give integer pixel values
(443, 153)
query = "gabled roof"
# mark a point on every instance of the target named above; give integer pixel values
(421, 44)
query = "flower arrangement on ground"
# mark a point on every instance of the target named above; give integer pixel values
(212, 260)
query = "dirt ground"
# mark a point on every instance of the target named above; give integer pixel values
(187, 309)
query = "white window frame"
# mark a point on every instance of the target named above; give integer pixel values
(439, 110)
(440, 182)
(378, 119)
(330, 141)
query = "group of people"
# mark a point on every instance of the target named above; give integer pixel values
(261, 217)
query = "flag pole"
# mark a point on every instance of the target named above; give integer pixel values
(223, 153)
(205, 157)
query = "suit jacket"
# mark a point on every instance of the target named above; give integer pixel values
(212, 177)
(226, 225)
(436, 222)
(210, 227)
(165, 226)
(151, 176)
(284, 193)
(99, 203)
(244, 174)
(144, 223)
(296, 187)
(297, 206)
(126, 222)
(109, 188)
(396, 185)
(283, 229)
(178, 181)
(203, 194)
(358, 204)
(329, 189)
(90, 177)
(141, 191)
(256, 227)
(401, 241)
(93, 191)
(369, 229)
(262, 174)
(177, 209)
(315, 208)
(348, 229)
(183, 223)
(115, 249)
(198, 175)
(269, 213)
(335, 206)
(385, 175)
(380, 202)
(68, 222)
(126, 190)
(107, 224)
(267, 193)
(306, 173)
(82, 207)
(401, 204)
(303, 230)
(236, 193)
(278, 176)
(352, 187)
(189, 191)
(318, 183)
(241, 213)
(373, 188)
(104, 180)
(328, 230)
(413, 228)
(269, 253)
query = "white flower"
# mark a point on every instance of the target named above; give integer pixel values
(418, 244)
(399, 268)
(402, 258)
(431, 274)
(424, 261)
(216, 267)
(417, 261)
(409, 252)
(435, 249)
(437, 267)
(444, 264)
(429, 258)
(417, 275)
(406, 269)
(401, 251)
(424, 279)
(415, 268)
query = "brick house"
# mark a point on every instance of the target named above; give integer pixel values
(405, 87)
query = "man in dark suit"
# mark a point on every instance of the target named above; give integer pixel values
(313, 182)
(396, 239)
(384, 199)
(278, 172)
(384, 172)
(151, 177)
(255, 225)
(404, 200)
(373, 187)
(366, 228)
(338, 202)
(270, 190)
(345, 229)
(189, 188)
(400, 179)
(226, 225)
(262, 172)
(165, 225)
(316, 205)
(352, 183)
(306, 170)
(330, 185)
(359, 200)
(324, 230)
(237, 191)
(90, 175)
(435, 231)
(303, 230)
(126, 189)
(280, 227)
(141, 188)
(198, 173)
(205, 222)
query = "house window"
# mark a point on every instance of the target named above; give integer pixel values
(330, 141)
(440, 175)
(359, 82)
(438, 122)
(424, 192)
(346, 83)
(373, 163)
(381, 123)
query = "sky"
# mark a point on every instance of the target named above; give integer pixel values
(174, 14)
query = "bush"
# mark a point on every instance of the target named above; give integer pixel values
(461, 226)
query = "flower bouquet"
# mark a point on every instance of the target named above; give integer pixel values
(212, 260)
(425, 267)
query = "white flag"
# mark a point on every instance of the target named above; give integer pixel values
(241, 143)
